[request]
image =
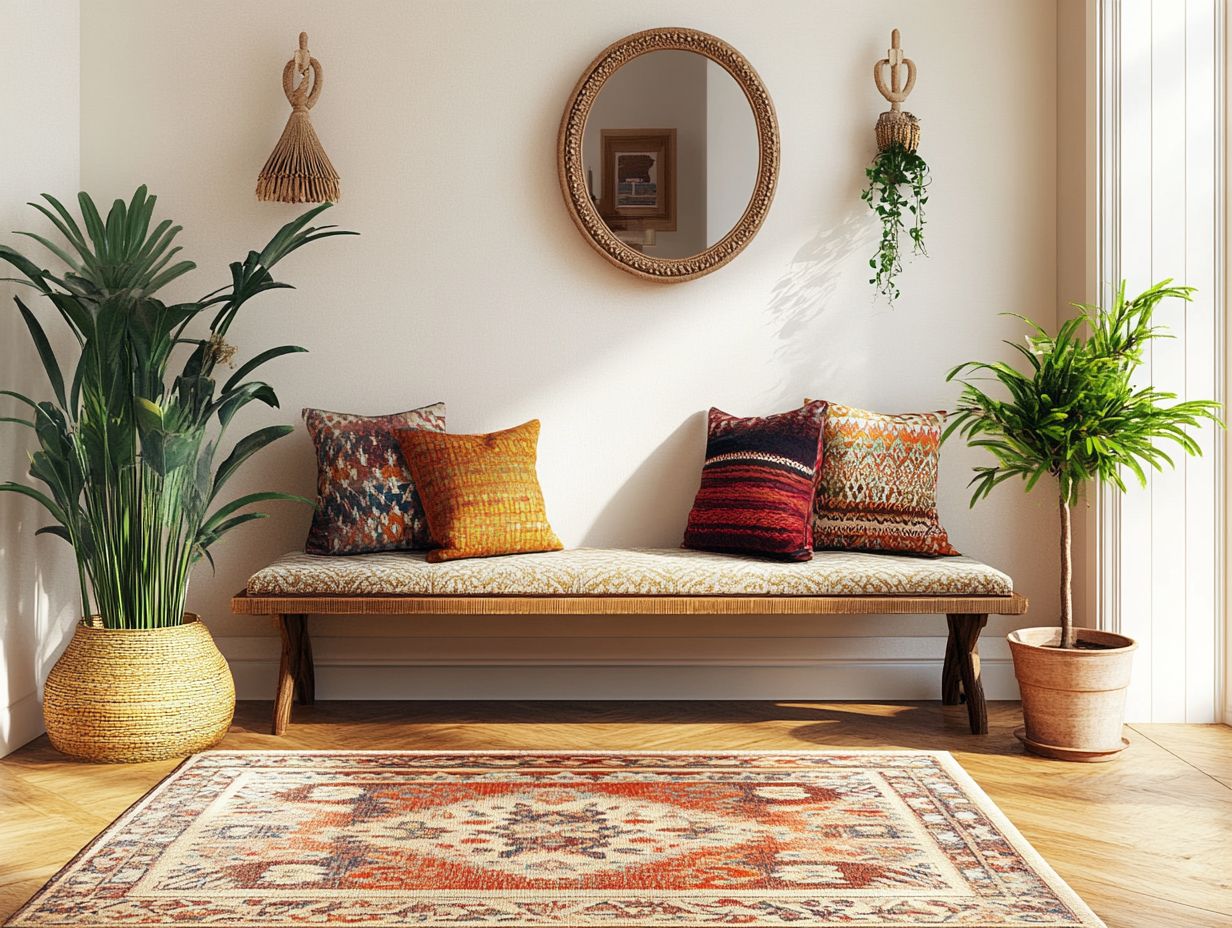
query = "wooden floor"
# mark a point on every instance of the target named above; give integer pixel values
(1146, 840)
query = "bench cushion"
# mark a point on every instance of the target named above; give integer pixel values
(628, 572)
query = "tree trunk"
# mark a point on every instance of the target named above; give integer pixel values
(1068, 639)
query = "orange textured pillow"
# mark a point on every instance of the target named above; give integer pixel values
(480, 493)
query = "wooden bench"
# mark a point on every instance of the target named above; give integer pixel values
(279, 596)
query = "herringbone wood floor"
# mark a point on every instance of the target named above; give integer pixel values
(1146, 840)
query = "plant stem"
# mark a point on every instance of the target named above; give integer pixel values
(1068, 639)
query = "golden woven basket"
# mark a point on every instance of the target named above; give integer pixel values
(124, 696)
(900, 127)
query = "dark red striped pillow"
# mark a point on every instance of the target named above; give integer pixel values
(757, 486)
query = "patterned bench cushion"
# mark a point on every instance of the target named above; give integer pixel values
(633, 572)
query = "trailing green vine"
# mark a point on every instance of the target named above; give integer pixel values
(897, 192)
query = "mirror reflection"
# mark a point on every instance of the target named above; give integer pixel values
(671, 153)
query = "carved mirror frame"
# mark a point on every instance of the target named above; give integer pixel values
(573, 174)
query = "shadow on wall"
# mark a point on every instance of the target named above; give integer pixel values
(804, 297)
(655, 501)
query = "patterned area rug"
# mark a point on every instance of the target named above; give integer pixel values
(561, 840)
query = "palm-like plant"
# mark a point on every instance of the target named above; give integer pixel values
(127, 451)
(1073, 414)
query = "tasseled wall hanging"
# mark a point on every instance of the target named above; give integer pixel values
(898, 177)
(298, 170)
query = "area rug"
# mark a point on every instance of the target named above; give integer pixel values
(560, 840)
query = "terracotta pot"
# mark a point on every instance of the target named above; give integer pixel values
(122, 696)
(1073, 700)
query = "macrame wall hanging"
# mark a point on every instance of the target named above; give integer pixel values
(298, 170)
(898, 177)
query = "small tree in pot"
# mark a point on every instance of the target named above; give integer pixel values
(131, 451)
(1072, 415)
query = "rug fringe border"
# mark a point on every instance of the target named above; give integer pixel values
(1024, 847)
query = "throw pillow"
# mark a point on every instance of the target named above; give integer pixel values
(480, 492)
(366, 500)
(756, 494)
(878, 485)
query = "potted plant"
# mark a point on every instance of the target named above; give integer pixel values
(131, 457)
(897, 192)
(1073, 415)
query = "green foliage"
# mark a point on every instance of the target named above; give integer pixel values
(897, 192)
(126, 445)
(1072, 412)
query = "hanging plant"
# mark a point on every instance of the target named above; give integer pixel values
(897, 192)
(898, 178)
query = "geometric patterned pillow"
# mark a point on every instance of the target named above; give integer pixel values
(878, 485)
(366, 500)
(756, 493)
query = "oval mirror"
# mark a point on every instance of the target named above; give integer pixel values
(668, 153)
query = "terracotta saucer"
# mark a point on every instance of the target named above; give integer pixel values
(1071, 754)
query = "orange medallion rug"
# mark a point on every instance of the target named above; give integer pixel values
(563, 839)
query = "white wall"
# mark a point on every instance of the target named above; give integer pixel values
(40, 115)
(470, 284)
(1164, 197)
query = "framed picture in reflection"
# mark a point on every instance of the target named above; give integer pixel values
(639, 179)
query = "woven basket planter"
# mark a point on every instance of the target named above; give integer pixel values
(898, 127)
(123, 696)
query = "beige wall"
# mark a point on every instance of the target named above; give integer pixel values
(40, 118)
(470, 284)
(1077, 154)
(1078, 240)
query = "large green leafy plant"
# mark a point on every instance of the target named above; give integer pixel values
(128, 450)
(1073, 412)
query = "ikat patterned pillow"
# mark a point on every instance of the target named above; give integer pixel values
(877, 489)
(756, 494)
(481, 493)
(366, 499)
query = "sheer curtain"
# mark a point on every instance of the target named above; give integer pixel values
(1157, 556)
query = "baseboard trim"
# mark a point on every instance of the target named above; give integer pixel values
(872, 680)
(20, 723)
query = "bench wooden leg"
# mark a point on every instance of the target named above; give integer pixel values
(951, 676)
(962, 668)
(305, 677)
(295, 671)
